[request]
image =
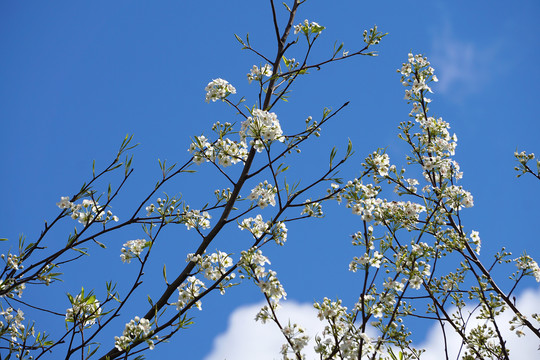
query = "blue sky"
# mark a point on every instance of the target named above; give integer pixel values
(77, 77)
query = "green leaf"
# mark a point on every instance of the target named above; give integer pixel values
(128, 164)
(286, 61)
(90, 353)
(240, 40)
(165, 274)
(80, 251)
(100, 244)
(349, 148)
(28, 247)
(332, 155)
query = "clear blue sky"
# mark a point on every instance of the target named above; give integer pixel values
(76, 77)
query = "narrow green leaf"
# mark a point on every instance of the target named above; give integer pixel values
(239, 39)
(165, 274)
(100, 244)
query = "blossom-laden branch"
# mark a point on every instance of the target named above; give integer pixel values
(400, 274)
(436, 225)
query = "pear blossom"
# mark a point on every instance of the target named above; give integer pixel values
(136, 329)
(83, 310)
(308, 28)
(218, 89)
(14, 327)
(196, 219)
(475, 237)
(132, 249)
(526, 263)
(264, 193)
(258, 74)
(261, 125)
(188, 291)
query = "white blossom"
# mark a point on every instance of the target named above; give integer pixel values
(261, 125)
(83, 310)
(218, 89)
(136, 329)
(258, 74)
(132, 249)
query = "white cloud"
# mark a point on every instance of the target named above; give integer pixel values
(462, 66)
(246, 339)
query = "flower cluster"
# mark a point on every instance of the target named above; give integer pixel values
(523, 158)
(380, 163)
(46, 275)
(218, 89)
(373, 37)
(84, 310)
(312, 209)
(17, 290)
(188, 291)
(171, 207)
(258, 74)
(13, 261)
(340, 333)
(256, 225)
(168, 207)
(419, 67)
(223, 194)
(252, 262)
(224, 151)
(365, 261)
(330, 310)
(136, 329)
(457, 198)
(408, 184)
(435, 140)
(14, 325)
(196, 219)
(213, 267)
(437, 169)
(279, 232)
(132, 249)
(529, 266)
(410, 261)
(297, 339)
(308, 28)
(261, 126)
(87, 211)
(380, 210)
(258, 228)
(291, 63)
(475, 238)
(436, 136)
(270, 286)
(264, 193)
